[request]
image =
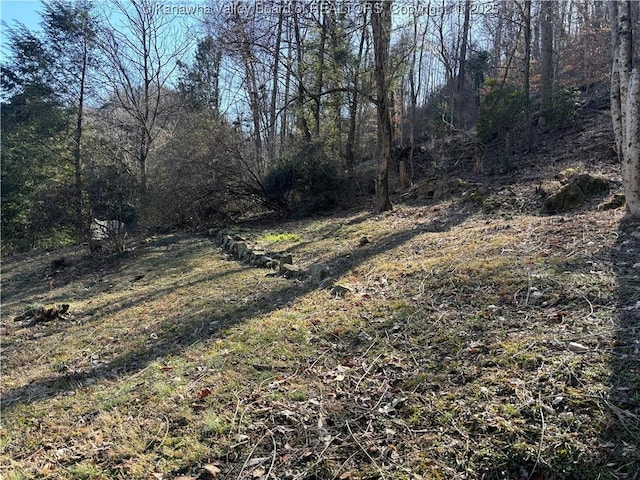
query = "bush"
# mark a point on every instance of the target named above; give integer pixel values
(305, 182)
(204, 176)
(561, 111)
(112, 192)
(502, 111)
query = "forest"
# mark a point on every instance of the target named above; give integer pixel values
(167, 117)
(345, 240)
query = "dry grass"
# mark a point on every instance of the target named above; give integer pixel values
(454, 357)
(449, 360)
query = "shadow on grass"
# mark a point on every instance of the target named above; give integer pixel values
(621, 440)
(173, 340)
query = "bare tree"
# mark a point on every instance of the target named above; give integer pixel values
(546, 57)
(301, 90)
(526, 18)
(141, 46)
(354, 97)
(271, 129)
(381, 28)
(415, 85)
(625, 101)
(460, 96)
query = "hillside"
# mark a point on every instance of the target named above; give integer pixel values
(475, 337)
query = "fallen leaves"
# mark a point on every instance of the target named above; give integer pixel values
(464, 353)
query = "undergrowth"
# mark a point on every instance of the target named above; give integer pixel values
(495, 347)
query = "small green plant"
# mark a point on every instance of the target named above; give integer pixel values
(213, 423)
(32, 310)
(299, 396)
(280, 237)
(502, 110)
(561, 111)
(84, 472)
(15, 476)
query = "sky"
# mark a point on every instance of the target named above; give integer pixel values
(12, 11)
(24, 11)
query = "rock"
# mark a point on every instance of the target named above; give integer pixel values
(318, 273)
(566, 198)
(291, 271)
(576, 347)
(286, 259)
(575, 193)
(226, 241)
(224, 235)
(364, 241)
(565, 175)
(327, 283)
(264, 261)
(591, 185)
(241, 249)
(339, 290)
(254, 258)
(39, 313)
(617, 201)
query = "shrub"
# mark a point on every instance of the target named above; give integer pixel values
(204, 176)
(561, 111)
(305, 182)
(502, 111)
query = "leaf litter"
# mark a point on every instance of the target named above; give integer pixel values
(505, 345)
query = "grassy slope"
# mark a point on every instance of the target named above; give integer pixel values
(450, 358)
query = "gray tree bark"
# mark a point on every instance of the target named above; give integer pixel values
(625, 102)
(381, 28)
(546, 57)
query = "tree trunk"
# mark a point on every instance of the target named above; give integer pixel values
(254, 104)
(320, 77)
(381, 28)
(527, 71)
(349, 152)
(300, 116)
(631, 158)
(546, 59)
(284, 124)
(271, 132)
(460, 106)
(625, 102)
(497, 42)
(77, 153)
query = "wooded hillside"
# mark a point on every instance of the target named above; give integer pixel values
(184, 116)
(321, 241)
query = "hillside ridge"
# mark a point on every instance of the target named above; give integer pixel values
(479, 338)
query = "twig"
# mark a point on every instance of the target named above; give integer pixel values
(590, 305)
(526, 301)
(535, 465)
(341, 466)
(235, 412)
(273, 456)
(320, 458)
(166, 433)
(319, 357)
(253, 450)
(375, 407)
(619, 413)
(368, 370)
(365, 452)
(137, 374)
